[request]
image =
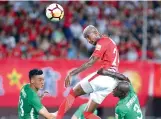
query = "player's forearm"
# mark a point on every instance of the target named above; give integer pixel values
(50, 117)
(85, 66)
(44, 112)
(113, 74)
(80, 69)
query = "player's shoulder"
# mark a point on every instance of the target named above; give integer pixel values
(102, 42)
(27, 89)
(118, 108)
(121, 108)
(120, 111)
(23, 92)
(106, 40)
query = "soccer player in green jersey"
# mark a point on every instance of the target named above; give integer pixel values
(30, 106)
(128, 106)
(79, 113)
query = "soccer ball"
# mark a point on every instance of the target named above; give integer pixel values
(54, 12)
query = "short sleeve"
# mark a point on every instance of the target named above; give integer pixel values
(120, 113)
(99, 50)
(80, 111)
(36, 103)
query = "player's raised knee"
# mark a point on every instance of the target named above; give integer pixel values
(78, 90)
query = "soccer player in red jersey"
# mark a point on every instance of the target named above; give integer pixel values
(98, 86)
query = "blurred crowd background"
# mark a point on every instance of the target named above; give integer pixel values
(26, 33)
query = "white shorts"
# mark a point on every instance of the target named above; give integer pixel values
(98, 86)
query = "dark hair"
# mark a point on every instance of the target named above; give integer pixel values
(123, 88)
(34, 72)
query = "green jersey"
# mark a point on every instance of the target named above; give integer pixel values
(79, 112)
(129, 107)
(29, 103)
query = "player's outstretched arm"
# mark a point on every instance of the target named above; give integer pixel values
(44, 112)
(86, 65)
(113, 74)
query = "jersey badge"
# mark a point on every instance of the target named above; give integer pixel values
(98, 47)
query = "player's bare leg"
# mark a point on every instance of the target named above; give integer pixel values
(78, 90)
(91, 107)
(69, 100)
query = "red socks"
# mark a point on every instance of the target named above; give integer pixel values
(66, 105)
(89, 115)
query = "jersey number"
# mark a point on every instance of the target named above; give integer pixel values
(116, 59)
(138, 110)
(21, 107)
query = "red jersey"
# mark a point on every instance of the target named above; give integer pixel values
(107, 51)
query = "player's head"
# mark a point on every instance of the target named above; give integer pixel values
(121, 89)
(36, 78)
(91, 34)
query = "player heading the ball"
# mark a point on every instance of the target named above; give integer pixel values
(98, 86)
